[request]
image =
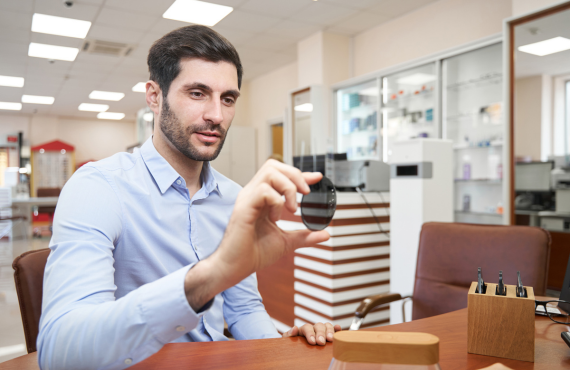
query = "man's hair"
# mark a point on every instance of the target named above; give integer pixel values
(188, 42)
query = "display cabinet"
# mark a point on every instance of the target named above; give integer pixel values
(456, 95)
(358, 129)
(408, 105)
(472, 117)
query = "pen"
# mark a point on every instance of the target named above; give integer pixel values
(480, 282)
(520, 289)
(501, 290)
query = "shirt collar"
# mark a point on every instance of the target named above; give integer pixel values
(164, 175)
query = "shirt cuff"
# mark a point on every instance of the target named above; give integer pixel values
(165, 309)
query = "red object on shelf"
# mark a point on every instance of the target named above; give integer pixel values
(54, 146)
(43, 217)
(12, 139)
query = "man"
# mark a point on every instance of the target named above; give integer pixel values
(144, 251)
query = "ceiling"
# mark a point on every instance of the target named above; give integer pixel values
(264, 32)
(542, 29)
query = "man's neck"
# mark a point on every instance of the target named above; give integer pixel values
(189, 169)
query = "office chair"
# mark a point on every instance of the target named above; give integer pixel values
(29, 278)
(449, 255)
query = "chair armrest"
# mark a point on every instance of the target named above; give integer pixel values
(369, 303)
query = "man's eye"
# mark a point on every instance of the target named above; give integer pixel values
(229, 101)
(196, 94)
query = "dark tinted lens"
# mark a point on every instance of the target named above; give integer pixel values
(317, 207)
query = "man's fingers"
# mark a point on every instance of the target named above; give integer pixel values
(312, 177)
(306, 238)
(308, 332)
(321, 332)
(284, 186)
(293, 332)
(330, 331)
(295, 175)
(273, 200)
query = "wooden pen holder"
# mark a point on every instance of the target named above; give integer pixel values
(501, 326)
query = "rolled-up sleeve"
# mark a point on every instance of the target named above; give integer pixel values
(244, 312)
(82, 325)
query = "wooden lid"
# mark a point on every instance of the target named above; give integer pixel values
(383, 347)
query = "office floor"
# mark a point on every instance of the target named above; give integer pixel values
(12, 341)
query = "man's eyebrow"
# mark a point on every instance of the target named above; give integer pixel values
(198, 85)
(234, 93)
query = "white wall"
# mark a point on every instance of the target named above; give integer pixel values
(93, 139)
(268, 97)
(438, 26)
(526, 6)
(528, 117)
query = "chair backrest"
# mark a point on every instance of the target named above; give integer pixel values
(450, 253)
(29, 277)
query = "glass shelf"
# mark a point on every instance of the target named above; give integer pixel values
(358, 124)
(473, 119)
(481, 181)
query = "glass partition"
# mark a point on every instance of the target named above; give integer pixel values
(473, 120)
(357, 117)
(302, 109)
(408, 105)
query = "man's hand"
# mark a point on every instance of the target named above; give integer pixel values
(252, 240)
(318, 334)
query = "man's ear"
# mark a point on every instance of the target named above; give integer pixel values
(153, 96)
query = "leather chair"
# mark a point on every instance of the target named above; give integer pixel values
(29, 277)
(449, 255)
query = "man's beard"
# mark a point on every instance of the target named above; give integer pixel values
(179, 136)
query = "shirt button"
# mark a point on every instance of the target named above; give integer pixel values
(178, 182)
(128, 361)
(180, 328)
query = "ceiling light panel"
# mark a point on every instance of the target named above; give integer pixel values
(140, 87)
(10, 106)
(111, 115)
(546, 47)
(198, 12)
(60, 26)
(36, 99)
(52, 52)
(106, 95)
(11, 81)
(93, 107)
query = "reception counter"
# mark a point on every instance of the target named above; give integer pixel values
(327, 282)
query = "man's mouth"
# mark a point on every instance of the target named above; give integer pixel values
(209, 133)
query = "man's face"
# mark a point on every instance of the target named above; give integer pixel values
(199, 108)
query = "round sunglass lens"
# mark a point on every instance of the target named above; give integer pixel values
(318, 207)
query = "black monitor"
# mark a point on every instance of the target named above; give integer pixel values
(565, 291)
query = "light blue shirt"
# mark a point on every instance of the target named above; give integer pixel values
(125, 234)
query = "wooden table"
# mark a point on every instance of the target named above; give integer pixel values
(294, 353)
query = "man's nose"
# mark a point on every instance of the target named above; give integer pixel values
(213, 111)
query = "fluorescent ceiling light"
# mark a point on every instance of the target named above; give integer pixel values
(93, 107)
(148, 116)
(52, 52)
(111, 115)
(106, 95)
(140, 87)
(546, 47)
(307, 107)
(416, 79)
(11, 81)
(10, 106)
(35, 99)
(60, 26)
(198, 12)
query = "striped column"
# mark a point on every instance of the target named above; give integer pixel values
(332, 278)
